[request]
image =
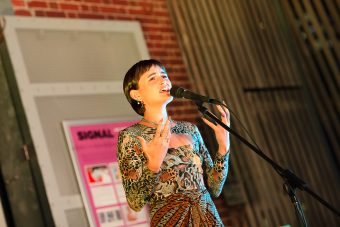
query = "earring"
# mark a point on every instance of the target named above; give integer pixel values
(140, 102)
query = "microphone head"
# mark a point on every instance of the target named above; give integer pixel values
(176, 92)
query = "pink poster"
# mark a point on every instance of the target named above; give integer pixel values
(93, 149)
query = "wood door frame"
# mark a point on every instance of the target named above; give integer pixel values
(23, 184)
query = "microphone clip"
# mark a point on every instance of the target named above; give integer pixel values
(205, 112)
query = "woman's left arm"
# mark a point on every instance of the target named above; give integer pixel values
(222, 135)
(217, 170)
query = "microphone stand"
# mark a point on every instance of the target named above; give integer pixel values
(291, 181)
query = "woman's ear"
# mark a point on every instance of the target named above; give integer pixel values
(135, 95)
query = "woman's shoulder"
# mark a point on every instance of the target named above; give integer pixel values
(130, 130)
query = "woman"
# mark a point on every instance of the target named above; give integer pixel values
(163, 162)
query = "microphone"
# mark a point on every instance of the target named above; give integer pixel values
(179, 92)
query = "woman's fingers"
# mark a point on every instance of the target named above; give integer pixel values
(211, 125)
(159, 129)
(222, 111)
(226, 110)
(163, 131)
(224, 114)
(166, 132)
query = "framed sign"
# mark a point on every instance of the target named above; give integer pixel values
(93, 149)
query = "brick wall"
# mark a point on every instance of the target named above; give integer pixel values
(155, 21)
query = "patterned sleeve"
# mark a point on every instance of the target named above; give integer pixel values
(216, 172)
(138, 180)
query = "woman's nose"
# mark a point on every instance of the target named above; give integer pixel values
(163, 81)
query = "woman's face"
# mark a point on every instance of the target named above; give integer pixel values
(154, 88)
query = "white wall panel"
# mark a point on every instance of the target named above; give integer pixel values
(69, 69)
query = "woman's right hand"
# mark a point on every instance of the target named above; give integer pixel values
(157, 148)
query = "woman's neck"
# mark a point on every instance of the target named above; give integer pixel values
(155, 114)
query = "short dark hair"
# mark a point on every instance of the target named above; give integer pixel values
(131, 81)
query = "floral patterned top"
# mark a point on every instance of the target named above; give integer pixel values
(177, 194)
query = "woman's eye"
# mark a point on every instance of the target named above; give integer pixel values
(165, 76)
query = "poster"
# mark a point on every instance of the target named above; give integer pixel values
(93, 147)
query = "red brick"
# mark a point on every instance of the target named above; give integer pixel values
(179, 69)
(125, 17)
(72, 15)
(170, 45)
(147, 7)
(108, 2)
(182, 77)
(149, 20)
(121, 2)
(106, 9)
(161, 13)
(37, 4)
(170, 37)
(168, 56)
(18, 3)
(85, 7)
(180, 111)
(186, 117)
(178, 103)
(157, 28)
(94, 9)
(66, 6)
(22, 12)
(175, 72)
(173, 61)
(145, 3)
(185, 84)
(160, 9)
(152, 29)
(158, 53)
(93, 1)
(152, 36)
(55, 14)
(90, 16)
(152, 44)
(184, 81)
(53, 5)
(136, 11)
(40, 13)
(166, 29)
